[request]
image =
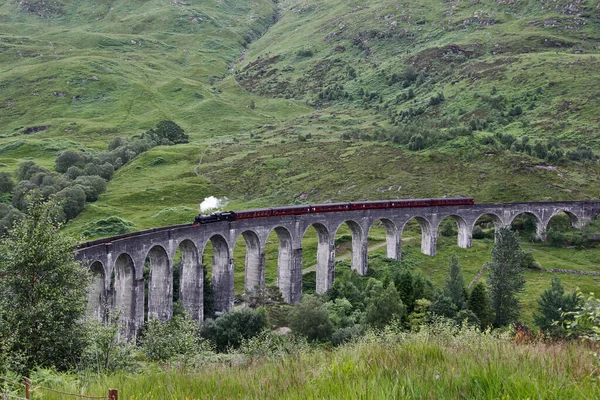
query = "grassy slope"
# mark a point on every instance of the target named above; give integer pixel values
(89, 71)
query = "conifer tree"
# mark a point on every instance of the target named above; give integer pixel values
(479, 303)
(552, 306)
(505, 280)
(455, 287)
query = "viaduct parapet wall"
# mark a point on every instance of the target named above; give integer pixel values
(118, 263)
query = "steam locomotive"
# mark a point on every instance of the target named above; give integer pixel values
(334, 207)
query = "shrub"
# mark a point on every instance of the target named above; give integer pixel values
(67, 159)
(478, 233)
(93, 186)
(167, 133)
(385, 307)
(110, 226)
(310, 319)
(6, 183)
(344, 335)
(554, 309)
(179, 336)
(231, 328)
(72, 200)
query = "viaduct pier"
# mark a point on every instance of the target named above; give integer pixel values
(118, 262)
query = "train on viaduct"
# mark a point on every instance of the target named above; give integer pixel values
(118, 262)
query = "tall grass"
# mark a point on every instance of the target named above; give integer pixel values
(432, 364)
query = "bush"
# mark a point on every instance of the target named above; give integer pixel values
(385, 307)
(167, 133)
(344, 335)
(72, 200)
(111, 226)
(93, 186)
(556, 238)
(179, 336)
(310, 319)
(67, 159)
(6, 183)
(478, 233)
(231, 328)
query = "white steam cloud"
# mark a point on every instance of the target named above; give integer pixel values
(212, 203)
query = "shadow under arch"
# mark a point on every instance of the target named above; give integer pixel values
(160, 285)
(393, 244)
(465, 232)
(222, 273)
(97, 299)
(540, 228)
(428, 237)
(126, 296)
(359, 246)
(191, 288)
(574, 220)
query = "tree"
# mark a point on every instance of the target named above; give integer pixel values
(231, 328)
(553, 310)
(310, 319)
(384, 307)
(479, 303)
(6, 183)
(42, 293)
(72, 200)
(68, 159)
(93, 186)
(505, 280)
(168, 133)
(455, 286)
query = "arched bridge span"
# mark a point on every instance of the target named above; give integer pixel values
(118, 262)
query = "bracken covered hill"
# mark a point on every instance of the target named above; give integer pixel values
(307, 101)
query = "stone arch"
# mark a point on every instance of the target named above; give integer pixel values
(573, 219)
(465, 232)
(289, 272)
(126, 295)
(222, 273)
(540, 227)
(325, 267)
(496, 220)
(191, 288)
(359, 246)
(428, 235)
(97, 301)
(254, 269)
(160, 284)
(392, 238)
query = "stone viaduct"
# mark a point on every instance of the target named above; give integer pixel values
(118, 262)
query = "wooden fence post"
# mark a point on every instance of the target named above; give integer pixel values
(27, 394)
(113, 394)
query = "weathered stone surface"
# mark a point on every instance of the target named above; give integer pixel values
(125, 256)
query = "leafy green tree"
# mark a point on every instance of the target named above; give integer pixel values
(93, 186)
(42, 293)
(68, 159)
(72, 200)
(505, 280)
(385, 307)
(6, 183)
(553, 309)
(310, 319)
(443, 306)
(479, 303)
(231, 328)
(166, 340)
(168, 133)
(455, 286)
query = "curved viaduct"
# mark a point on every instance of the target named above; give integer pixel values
(118, 262)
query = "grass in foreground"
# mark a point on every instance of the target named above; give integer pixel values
(435, 363)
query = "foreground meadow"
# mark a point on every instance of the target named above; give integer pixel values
(438, 362)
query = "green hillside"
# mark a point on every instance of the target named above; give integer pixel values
(304, 101)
